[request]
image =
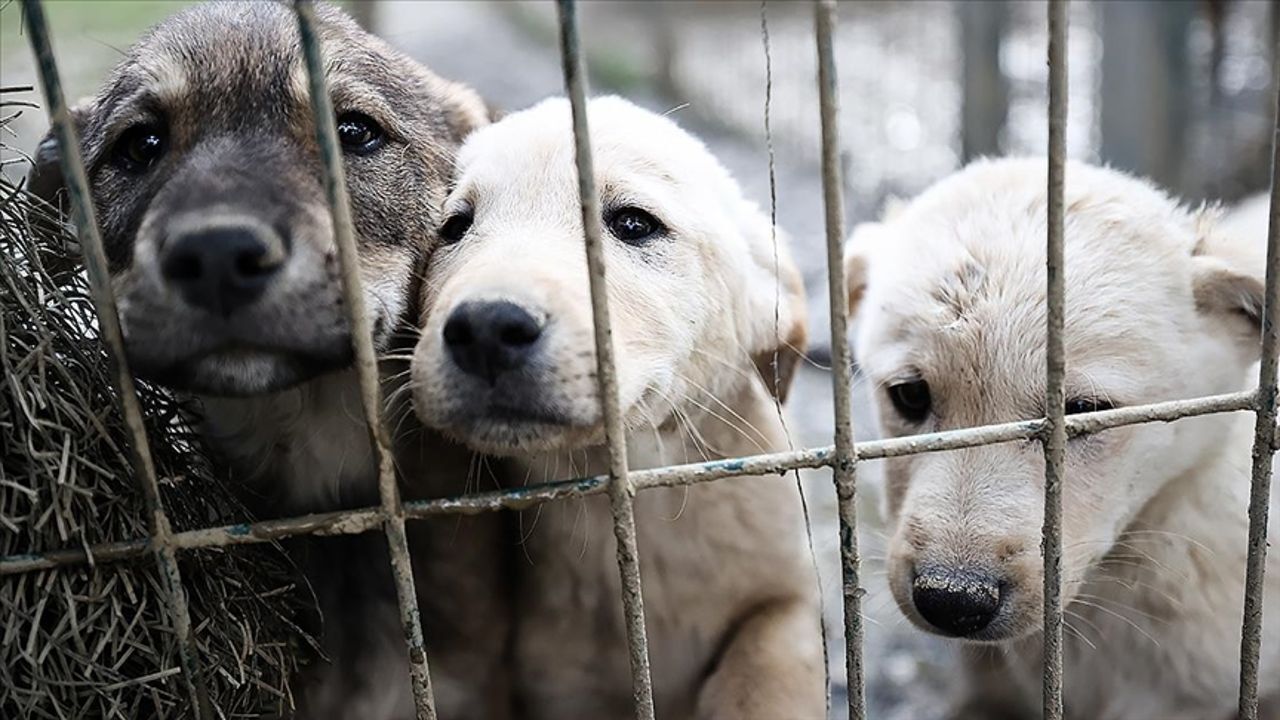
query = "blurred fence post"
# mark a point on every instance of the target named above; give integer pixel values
(1146, 80)
(986, 91)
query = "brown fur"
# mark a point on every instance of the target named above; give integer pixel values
(226, 84)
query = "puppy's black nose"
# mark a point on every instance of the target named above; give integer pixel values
(221, 268)
(486, 339)
(956, 602)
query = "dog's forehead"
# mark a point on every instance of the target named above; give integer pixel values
(241, 61)
(959, 290)
(633, 149)
(214, 48)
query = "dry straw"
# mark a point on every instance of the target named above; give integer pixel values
(97, 641)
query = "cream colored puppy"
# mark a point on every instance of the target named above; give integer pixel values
(700, 298)
(949, 294)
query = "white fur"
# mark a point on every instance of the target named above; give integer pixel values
(952, 288)
(728, 588)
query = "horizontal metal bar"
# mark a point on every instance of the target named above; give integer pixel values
(352, 522)
(340, 522)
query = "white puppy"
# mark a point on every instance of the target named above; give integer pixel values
(949, 294)
(700, 298)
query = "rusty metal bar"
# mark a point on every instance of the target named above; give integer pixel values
(365, 358)
(349, 522)
(80, 199)
(1266, 440)
(1055, 430)
(845, 461)
(621, 493)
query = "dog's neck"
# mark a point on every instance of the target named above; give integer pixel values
(304, 449)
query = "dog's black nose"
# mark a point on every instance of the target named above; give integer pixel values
(221, 268)
(956, 602)
(486, 339)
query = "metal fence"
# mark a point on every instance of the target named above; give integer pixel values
(621, 484)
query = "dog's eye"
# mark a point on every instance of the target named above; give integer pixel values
(633, 225)
(1075, 406)
(911, 399)
(456, 227)
(139, 147)
(359, 133)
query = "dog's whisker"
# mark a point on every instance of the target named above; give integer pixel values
(1128, 621)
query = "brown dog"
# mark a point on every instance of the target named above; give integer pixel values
(207, 181)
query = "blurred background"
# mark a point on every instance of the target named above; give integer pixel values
(1176, 90)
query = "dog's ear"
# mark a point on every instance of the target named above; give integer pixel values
(49, 213)
(45, 180)
(857, 250)
(470, 111)
(1233, 294)
(776, 335)
(777, 359)
(1227, 278)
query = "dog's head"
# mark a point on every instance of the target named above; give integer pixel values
(697, 289)
(949, 295)
(206, 176)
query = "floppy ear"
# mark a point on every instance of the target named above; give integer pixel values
(45, 180)
(467, 111)
(48, 213)
(856, 261)
(1227, 271)
(776, 361)
(1234, 295)
(775, 333)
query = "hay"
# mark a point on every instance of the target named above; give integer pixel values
(96, 642)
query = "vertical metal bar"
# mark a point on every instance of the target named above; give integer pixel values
(621, 492)
(81, 202)
(366, 360)
(1055, 436)
(844, 466)
(1265, 441)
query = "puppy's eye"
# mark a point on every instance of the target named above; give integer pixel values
(1075, 406)
(140, 147)
(359, 134)
(911, 399)
(633, 226)
(456, 227)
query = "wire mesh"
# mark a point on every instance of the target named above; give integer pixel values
(621, 483)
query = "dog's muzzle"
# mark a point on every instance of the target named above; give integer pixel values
(487, 340)
(222, 268)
